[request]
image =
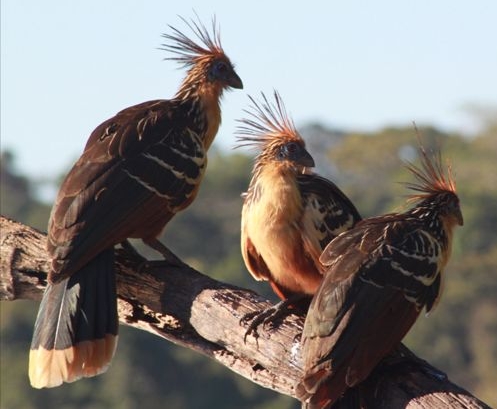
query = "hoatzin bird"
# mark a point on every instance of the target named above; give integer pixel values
(379, 276)
(289, 213)
(138, 169)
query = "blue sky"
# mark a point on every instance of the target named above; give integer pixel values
(66, 66)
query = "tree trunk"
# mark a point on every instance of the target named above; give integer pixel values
(195, 311)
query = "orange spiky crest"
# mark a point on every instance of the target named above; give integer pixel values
(268, 126)
(432, 178)
(188, 52)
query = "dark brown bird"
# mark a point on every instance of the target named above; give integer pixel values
(289, 213)
(380, 275)
(139, 168)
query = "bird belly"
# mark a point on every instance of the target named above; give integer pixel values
(280, 245)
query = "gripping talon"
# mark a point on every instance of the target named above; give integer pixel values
(265, 317)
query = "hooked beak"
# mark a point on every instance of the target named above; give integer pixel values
(305, 159)
(234, 81)
(459, 217)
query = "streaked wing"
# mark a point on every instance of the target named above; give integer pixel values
(128, 183)
(331, 298)
(408, 260)
(371, 322)
(380, 275)
(327, 212)
(346, 254)
(122, 128)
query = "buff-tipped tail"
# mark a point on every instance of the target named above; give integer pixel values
(75, 333)
(50, 368)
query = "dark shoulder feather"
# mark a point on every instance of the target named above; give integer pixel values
(333, 212)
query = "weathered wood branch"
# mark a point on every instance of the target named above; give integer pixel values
(195, 311)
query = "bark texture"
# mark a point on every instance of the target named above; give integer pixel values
(190, 309)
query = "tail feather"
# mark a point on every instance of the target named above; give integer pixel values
(76, 328)
(318, 391)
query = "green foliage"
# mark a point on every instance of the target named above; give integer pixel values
(460, 336)
(16, 195)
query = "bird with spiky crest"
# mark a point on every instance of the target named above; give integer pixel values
(289, 213)
(379, 276)
(138, 169)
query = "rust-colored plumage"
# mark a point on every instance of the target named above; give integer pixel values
(138, 169)
(289, 213)
(379, 276)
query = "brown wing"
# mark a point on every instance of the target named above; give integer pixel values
(337, 211)
(137, 170)
(390, 274)
(327, 213)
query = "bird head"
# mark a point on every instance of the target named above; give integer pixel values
(206, 61)
(220, 70)
(435, 186)
(269, 128)
(450, 208)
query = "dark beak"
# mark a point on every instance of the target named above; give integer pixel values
(234, 81)
(305, 159)
(459, 217)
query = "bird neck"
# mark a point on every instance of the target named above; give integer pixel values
(431, 220)
(275, 188)
(438, 226)
(202, 101)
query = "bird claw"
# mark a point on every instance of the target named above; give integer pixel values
(264, 317)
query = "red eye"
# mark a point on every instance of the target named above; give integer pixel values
(291, 147)
(289, 151)
(221, 67)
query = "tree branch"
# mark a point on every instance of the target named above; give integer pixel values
(195, 311)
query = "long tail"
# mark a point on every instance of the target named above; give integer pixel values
(75, 333)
